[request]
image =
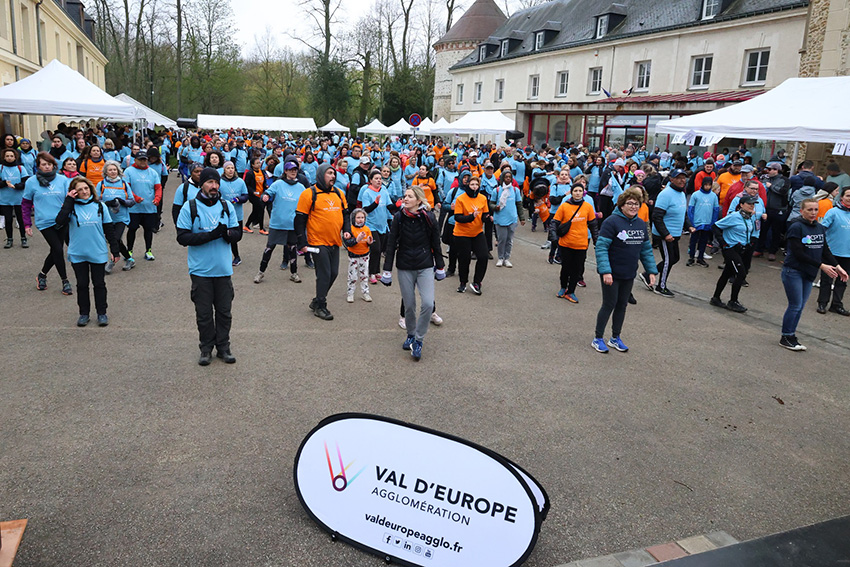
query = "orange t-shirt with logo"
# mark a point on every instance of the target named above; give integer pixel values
(466, 205)
(576, 238)
(726, 180)
(324, 222)
(362, 247)
(428, 186)
(93, 170)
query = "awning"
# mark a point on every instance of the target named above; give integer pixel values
(482, 122)
(256, 123)
(152, 117)
(334, 126)
(373, 127)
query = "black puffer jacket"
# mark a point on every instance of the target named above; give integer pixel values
(414, 242)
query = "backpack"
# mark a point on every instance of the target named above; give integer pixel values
(690, 187)
(186, 192)
(193, 210)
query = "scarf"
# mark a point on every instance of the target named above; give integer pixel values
(57, 152)
(45, 179)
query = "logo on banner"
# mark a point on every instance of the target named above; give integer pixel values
(340, 481)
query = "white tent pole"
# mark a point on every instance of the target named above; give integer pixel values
(795, 157)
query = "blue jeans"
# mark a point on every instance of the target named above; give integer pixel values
(797, 289)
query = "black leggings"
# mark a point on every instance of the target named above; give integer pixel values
(7, 211)
(258, 212)
(375, 250)
(234, 246)
(56, 239)
(466, 245)
(118, 229)
(290, 256)
(572, 267)
(615, 298)
(148, 222)
(737, 265)
(82, 271)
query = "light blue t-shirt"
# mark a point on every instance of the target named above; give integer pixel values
(109, 190)
(284, 201)
(229, 190)
(703, 209)
(143, 182)
(758, 211)
(378, 219)
(86, 240)
(28, 161)
(675, 203)
(736, 229)
(191, 193)
(47, 201)
(13, 174)
(309, 169)
(559, 190)
(836, 221)
(212, 259)
(508, 215)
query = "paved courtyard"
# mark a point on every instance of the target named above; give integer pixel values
(122, 451)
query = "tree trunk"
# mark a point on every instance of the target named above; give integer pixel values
(179, 58)
(364, 94)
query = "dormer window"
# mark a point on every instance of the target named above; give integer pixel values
(710, 8)
(503, 52)
(482, 52)
(602, 25)
(539, 40)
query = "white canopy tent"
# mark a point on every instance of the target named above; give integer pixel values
(58, 90)
(400, 127)
(373, 127)
(424, 127)
(441, 123)
(270, 123)
(798, 110)
(152, 117)
(481, 122)
(334, 126)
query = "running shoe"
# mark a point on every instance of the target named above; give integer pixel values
(259, 277)
(205, 359)
(226, 356)
(9, 243)
(349, 298)
(571, 297)
(237, 260)
(416, 350)
(644, 279)
(83, 320)
(149, 256)
(508, 264)
(41, 282)
(25, 243)
(436, 319)
(599, 346)
(476, 288)
(461, 288)
(109, 266)
(615, 342)
(129, 264)
(248, 230)
(373, 280)
(736, 307)
(295, 278)
(367, 298)
(690, 262)
(702, 263)
(499, 262)
(581, 283)
(790, 342)
(402, 323)
(263, 231)
(322, 313)
(708, 256)
(717, 302)
(66, 288)
(664, 292)
(102, 320)
(562, 293)
(310, 264)
(408, 342)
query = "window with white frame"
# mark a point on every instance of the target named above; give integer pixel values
(755, 72)
(594, 83)
(482, 52)
(601, 26)
(533, 86)
(563, 82)
(643, 69)
(460, 94)
(539, 40)
(476, 92)
(504, 48)
(500, 90)
(710, 8)
(701, 71)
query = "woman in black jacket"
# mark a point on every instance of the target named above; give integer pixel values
(414, 242)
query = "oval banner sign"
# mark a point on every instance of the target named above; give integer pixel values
(417, 496)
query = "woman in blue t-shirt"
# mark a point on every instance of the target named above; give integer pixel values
(89, 228)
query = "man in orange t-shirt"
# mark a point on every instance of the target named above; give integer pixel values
(320, 217)
(728, 179)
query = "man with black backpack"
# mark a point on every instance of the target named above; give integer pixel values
(207, 225)
(187, 191)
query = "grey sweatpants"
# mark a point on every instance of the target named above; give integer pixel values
(408, 281)
(505, 236)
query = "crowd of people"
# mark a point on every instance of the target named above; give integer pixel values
(411, 204)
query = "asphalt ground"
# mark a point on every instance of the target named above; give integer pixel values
(121, 450)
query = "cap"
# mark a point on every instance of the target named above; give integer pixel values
(489, 165)
(142, 154)
(776, 165)
(365, 159)
(748, 168)
(620, 162)
(677, 173)
(748, 200)
(737, 162)
(209, 173)
(289, 164)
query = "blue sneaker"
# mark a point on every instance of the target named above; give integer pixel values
(599, 346)
(615, 342)
(407, 342)
(416, 350)
(562, 293)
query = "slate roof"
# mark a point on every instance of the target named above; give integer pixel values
(578, 18)
(476, 24)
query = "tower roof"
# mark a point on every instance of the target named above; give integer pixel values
(477, 23)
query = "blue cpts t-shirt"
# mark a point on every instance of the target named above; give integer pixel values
(675, 203)
(284, 201)
(229, 190)
(212, 259)
(47, 201)
(86, 240)
(120, 190)
(508, 214)
(14, 175)
(377, 220)
(143, 182)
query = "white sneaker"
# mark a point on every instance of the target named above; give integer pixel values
(259, 277)
(367, 298)
(436, 319)
(500, 263)
(349, 298)
(295, 278)
(402, 323)
(707, 256)
(508, 264)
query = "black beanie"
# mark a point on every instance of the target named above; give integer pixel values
(209, 173)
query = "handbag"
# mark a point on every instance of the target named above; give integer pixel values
(555, 233)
